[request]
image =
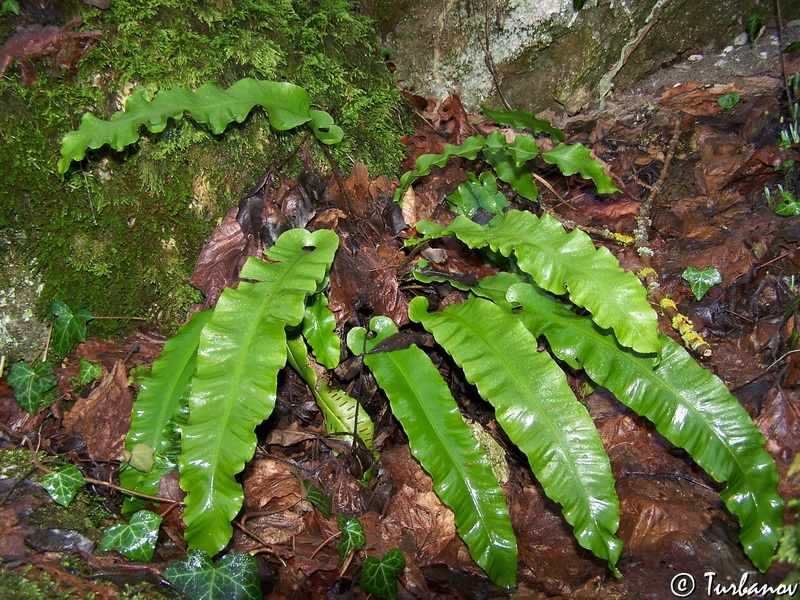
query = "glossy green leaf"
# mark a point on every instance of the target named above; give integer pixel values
(9, 7)
(379, 577)
(576, 158)
(30, 383)
(524, 120)
(135, 539)
(353, 537)
(241, 350)
(342, 413)
(517, 176)
(287, 104)
(317, 498)
(536, 408)
(69, 327)
(508, 160)
(688, 405)
(159, 399)
(88, 371)
(561, 263)
(701, 281)
(318, 328)
(444, 446)
(476, 194)
(235, 577)
(469, 149)
(729, 100)
(63, 484)
(324, 129)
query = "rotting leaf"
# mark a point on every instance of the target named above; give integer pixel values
(136, 539)
(69, 327)
(140, 457)
(353, 536)
(30, 383)
(701, 281)
(379, 577)
(235, 577)
(62, 485)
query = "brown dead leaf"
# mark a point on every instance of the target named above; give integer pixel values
(423, 521)
(35, 41)
(12, 415)
(12, 535)
(693, 99)
(343, 491)
(274, 509)
(654, 509)
(221, 258)
(612, 211)
(103, 418)
(364, 273)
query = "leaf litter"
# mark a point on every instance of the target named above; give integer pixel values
(710, 210)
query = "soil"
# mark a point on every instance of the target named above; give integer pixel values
(700, 170)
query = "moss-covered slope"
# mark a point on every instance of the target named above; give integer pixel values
(119, 234)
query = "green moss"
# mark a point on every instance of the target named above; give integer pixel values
(120, 233)
(19, 584)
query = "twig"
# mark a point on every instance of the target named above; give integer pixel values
(100, 482)
(636, 38)
(488, 56)
(786, 87)
(89, 195)
(325, 543)
(122, 318)
(680, 322)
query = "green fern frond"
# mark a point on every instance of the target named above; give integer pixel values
(439, 439)
(570, 263)
(240, 353)
(287, 105)
(536, 408)
(688, 405)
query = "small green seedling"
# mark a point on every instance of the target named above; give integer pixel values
(729, 100)
(701, 281)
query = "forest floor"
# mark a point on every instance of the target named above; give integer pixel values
(699, 170)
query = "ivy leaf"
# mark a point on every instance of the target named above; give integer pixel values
(235, 577)
(728, 100)
(136, 539)
(9, 6)
(701, 281)
(88, 372)
(379, 577)
(353, 536)
(62, 485)
(317, 498)
(791, 48)
(69, 327)
(30, 383)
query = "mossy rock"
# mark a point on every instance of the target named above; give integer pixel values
(119, 233)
